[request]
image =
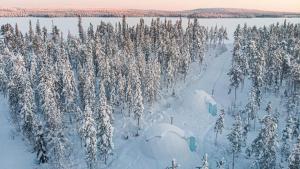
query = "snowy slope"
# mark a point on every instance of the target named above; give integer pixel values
(13, 152)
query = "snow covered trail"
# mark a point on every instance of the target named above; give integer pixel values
(186, 108)
(213, 78)
(215, 82)
(13, 152)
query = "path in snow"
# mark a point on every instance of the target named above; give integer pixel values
(13, 153)
(213, 78)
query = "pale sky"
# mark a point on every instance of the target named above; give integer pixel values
(272, 5)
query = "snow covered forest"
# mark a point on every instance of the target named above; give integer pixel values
(269, 58)
(69, 95)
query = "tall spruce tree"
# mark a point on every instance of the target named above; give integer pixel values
(88, 135)
(235, 138)
(104, 128)
(294, 159)
(219, 126)
(264, 147)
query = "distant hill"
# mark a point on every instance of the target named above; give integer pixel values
(201, 13)
(236, 13)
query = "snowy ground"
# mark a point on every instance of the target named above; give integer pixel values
(13, 152)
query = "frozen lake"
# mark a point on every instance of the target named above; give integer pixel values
(66, 24)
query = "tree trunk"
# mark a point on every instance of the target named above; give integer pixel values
(248, 119)
(254, 122)
(233, 160)
(138, 123)
(234, 98)
(216, 138)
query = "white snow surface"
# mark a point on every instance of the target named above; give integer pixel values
(162, 131)
(198, 101)
(13, 151)
(167, 142)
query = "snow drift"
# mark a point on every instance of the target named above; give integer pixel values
(164, 142)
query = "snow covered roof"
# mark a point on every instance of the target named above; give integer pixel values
(165, 142)
(161, 130)
(198, 101)
(201, 94)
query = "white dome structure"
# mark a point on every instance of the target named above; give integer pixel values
(164, 142)
(198, 101)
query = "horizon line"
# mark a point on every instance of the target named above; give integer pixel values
(143, 9)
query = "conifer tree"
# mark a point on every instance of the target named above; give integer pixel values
(88, 134)
(235, 138)
(3, 80)
(221, 164)
(57, 143)
(204, 162)
(219, 125)
(81, 32)
(68, 83)
(294, 159)
(27, 110)
(296, 127)
(236, 72)
(286, 139)
(138, 106)
(121, 92)
(256, 65)
(40, 145)
(89, 84)
(104, 128)
(264, 146)
(58, 149)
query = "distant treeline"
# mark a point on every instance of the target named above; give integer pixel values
(199, 13)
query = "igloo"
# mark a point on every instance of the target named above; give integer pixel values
(164, 142)
(200, 101)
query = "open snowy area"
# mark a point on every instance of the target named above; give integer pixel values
(125, 93)
(14, 153)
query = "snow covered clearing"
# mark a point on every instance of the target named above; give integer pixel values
(13, 151)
